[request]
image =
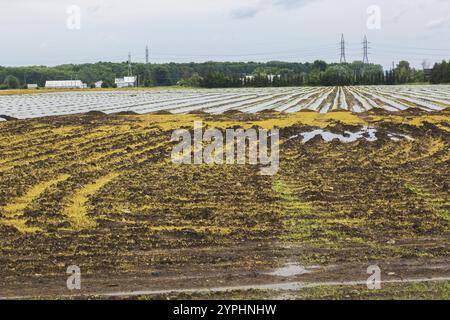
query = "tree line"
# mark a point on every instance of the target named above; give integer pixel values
(225, 74)
(440, 73)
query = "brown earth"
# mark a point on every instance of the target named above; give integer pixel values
(101, 192)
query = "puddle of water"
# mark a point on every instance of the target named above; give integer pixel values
(399, 136)
(347, 137)
(292, 269)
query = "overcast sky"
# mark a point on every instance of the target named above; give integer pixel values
(35, 32)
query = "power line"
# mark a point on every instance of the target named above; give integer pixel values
(409, 54)
(294, 51)
(412, 48)
(315, 51)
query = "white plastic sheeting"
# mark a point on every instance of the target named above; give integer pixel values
(320, 99)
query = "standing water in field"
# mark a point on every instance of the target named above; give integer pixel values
(347, 137)
(291, 270)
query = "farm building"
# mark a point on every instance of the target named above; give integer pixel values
(125, 82)
(65, 84)
(247, 78)
(270, 77)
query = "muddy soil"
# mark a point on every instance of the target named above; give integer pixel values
(102, 193)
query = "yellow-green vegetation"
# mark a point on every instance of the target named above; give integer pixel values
(13, 212)
(77, 211)
(289, 120)
(102, 191)
(402, 291)
(408, 291)
(304, 221)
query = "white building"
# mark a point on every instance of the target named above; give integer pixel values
(125, 82)
(98, 84)
(271, 77)
(247, 78)
(32, 86)
(65, 84)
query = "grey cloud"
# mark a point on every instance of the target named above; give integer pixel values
(112, 28)
(436, 24)
(398, 16)
(94, 9)
(291, 3)
(245, 13)
(250, 12)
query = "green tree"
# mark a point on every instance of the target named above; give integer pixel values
(403, 72)
(161, 76)
(194, 81)
(12, 82)
(314, 78)
(320, 65)
(339, 75)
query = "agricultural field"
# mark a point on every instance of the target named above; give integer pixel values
(216, 101)
(364, 180)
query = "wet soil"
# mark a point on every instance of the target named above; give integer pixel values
(101, 192)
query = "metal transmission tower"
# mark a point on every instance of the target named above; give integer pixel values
(366, 50)
(343, 60)
(146, 54)
(130, 71)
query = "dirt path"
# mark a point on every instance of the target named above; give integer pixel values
(288, 279)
